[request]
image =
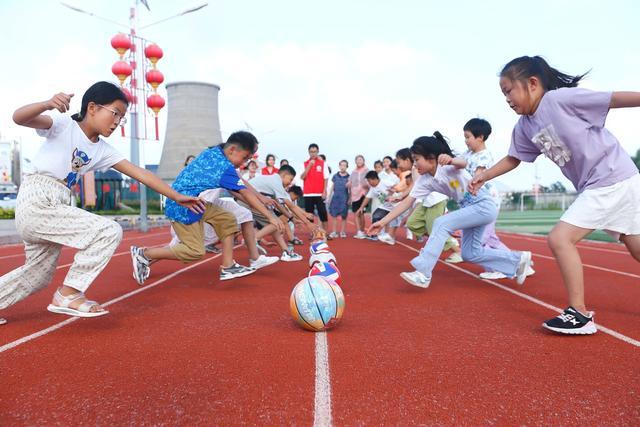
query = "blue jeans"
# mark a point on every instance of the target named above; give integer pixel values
(472, 220)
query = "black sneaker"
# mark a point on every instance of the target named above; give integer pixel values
(571, 321)
(236, 270)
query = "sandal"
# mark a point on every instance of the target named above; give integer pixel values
(61, 304)
(295, 241)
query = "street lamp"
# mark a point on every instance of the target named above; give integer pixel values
(155, 101)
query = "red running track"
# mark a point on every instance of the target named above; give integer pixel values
(189, 349)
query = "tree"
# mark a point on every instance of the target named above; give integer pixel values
(557, 187)
(636, 159)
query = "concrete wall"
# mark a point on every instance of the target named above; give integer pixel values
(192, 124)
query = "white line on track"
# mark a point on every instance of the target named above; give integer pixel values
(604, 329)
(57, 326)
(535, 238)
(322, 406)
(595, 267)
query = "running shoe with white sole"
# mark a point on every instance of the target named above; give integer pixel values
(416, 278)
(290, 256)
(141, 268)
(360, 235)
(263, 261)
(236, 270)
(386, 238)
(492, 275)
(523, 267)
(572, 322)
(454, 258)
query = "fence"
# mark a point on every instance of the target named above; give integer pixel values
(537, 201)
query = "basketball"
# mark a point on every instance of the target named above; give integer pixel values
(316, 303)
(328, 270)
(319, 247)
(322, 257)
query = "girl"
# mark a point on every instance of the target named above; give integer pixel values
(339, 205)
(270, 168)
(358, 188)
(251, 172)
(438, 172)
(566, 124)
(45, 218)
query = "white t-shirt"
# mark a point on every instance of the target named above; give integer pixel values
(390, 178)
(433, 198)
(270, 185)
(449, 181)
(67, 153)
(378, 195)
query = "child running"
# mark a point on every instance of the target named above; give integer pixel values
(213, 168)
(566, 124)
(438, 172)
(339, 205)
(45, 219)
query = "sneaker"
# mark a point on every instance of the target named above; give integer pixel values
(530, 271)
(492, 275)
(416, 278)
(571, 321)
(343, 235)
(386, 238)
(360, 235)
(372, 238)
(290, 256)
(141, 269)
(333, 235)
(409, 234)
(454, 258)
(212, 249)
(263, 261)
(261, 250)
(296, 241)
(2, 321)
(236, 270)
(420, 239)
(523, 267)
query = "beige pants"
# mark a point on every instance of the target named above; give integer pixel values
(46, 222)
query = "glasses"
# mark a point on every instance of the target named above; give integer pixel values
(121, 120)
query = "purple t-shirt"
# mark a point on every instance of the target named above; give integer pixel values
(568, 128)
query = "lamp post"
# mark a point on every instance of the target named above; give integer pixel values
(123, 70)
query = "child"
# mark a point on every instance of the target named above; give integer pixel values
(339, 206)
(270, 168)
(387, 175)
(251, 172)
(377, 166)
(358, 188)
(45, 218)
(394, 197)
(213, 168)
(566, 124)
(273, 186)
(438, 172)
(426, 211)
(377, 195)
(478, 158)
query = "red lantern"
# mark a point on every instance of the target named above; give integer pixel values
(153, 53)
(155, 102)
(154, 78)
(121, 43)
(122, 70)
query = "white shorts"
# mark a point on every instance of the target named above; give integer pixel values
(242, 215)
(614, 209)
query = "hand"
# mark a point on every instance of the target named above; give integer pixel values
(267, 201)
(60, 102)
(358, 212)
(444, 159)
(310, 217)
(476, 183)
(374, 228)
(312, 162)
(194, 204)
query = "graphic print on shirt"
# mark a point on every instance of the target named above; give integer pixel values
(550, 145)
(78, 160)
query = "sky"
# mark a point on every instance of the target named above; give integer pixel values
(356, 77)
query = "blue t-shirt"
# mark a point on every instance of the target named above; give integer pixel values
(210, 170)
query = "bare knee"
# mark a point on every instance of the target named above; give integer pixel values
(633, 245)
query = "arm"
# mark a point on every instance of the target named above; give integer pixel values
(458, 162)
(155, 183)
(300, 214)
(508, 163)
(395, 212)
(253, 201)
(324, 192)
(364, 204)
(624, 99)
(268, 201)
(307, 169)
(31, 115)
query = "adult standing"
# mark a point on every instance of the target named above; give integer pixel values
(315, 177)
(270, 168)
(358, 188)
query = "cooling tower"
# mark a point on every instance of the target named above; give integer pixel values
(192, 124)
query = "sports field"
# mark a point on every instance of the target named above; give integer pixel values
(538, 222)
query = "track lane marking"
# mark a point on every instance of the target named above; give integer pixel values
(322, 403)
(534, 238)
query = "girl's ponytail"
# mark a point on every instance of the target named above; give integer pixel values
(444, 144)
(430, 147)
(526, 66)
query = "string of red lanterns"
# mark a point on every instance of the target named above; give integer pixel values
(123, 70)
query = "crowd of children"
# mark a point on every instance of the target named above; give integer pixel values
(222, 193)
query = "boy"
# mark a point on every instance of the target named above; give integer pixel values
(273, 186)
(377, 195)
(213, 168)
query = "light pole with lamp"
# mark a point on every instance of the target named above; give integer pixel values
(154, 77)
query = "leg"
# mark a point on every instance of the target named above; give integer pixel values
(249, 234)
(562, 241)
(322, 213)
(632, 242)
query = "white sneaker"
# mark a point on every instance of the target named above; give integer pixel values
(492, 275)
(416, 278)
(409, 234)
(523, 267)
(454, 258)
(261, 250)
(263, 261)
(386, 238)
(530, 271)
(360, 235)
(343, 235)
(333, 235)
(290, 256)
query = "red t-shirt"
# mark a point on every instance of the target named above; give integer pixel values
(265, 171)
(314, 181)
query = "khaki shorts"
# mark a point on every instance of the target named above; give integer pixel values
(191, 236)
